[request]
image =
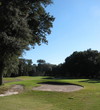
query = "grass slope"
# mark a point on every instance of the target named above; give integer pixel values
(85, 99)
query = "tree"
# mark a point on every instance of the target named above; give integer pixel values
(25, 66)
(83, 64)
(41, 61)
(32, 72)
(12, 69)
(23, 23)
(40, 67)
(43, 68)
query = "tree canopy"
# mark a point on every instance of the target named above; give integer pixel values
(40, 61)
(82, 64)
(23, 24)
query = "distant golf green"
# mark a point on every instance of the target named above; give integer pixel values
(84, 99)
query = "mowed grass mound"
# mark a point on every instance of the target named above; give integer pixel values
(85, 99)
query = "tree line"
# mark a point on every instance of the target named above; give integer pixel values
(25, 67)
(82, 64)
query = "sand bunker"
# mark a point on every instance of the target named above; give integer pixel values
(48, 86)
(15, 89)
(58, 88)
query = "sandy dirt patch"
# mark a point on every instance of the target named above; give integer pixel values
(15, 89)
(58, 88)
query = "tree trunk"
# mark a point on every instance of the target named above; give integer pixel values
(1, 73)
(1, 78)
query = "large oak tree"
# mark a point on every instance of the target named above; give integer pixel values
(23, 24)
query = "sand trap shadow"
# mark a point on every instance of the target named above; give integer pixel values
(57, 83)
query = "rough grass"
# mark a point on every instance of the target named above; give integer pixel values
(85, 99)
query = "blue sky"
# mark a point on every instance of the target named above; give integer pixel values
(76, 28)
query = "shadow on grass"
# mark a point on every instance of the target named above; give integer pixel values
(91, 81)
(58, 83)
(48, 78)
(55, 83)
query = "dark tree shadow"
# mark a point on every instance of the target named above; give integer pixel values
(91, 81)
(48, 78)
(57, 83)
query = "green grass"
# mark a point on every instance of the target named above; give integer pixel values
(85, 99)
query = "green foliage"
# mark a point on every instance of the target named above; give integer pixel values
(24, 67)
(23, 24)
(40, 61)
(83, 64)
